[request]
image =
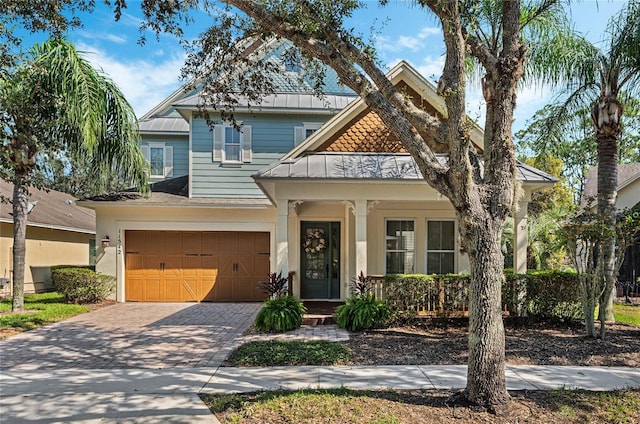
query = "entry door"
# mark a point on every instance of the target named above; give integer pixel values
(320, 260)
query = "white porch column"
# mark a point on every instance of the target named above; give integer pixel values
(282, 237)
(520, 235)
(360, 212)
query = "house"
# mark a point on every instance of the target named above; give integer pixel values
(319, 187)
(59, 232)
(628, 197)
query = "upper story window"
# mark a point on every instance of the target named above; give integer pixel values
(440, 247)
(160, 157)
(232, 144)
(400, 246)
(308, 128)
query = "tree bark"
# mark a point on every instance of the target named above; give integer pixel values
(606, 119)
(486, 368)
(20, 209)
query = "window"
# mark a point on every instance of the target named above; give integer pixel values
(160, 159)
(308, 128)
(400, 242)
(440, 247)
(231, 144)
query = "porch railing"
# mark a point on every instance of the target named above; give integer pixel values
(443, 298)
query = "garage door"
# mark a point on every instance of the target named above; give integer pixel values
(184, 266)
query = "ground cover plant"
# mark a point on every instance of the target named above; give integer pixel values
(40, 309)
(269, 353)
(421, 406)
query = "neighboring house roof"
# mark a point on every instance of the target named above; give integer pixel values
(627, 173)
(172, 192)
(51, 209)
(370, 166)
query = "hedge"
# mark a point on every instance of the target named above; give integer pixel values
(82, 285)
(549, 294)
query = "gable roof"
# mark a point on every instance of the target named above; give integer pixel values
(627, 174)
(292, 94)
(53, 209)
(367, 131)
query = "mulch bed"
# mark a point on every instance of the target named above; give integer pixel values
(533, 343)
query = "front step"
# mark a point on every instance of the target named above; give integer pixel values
(318, 319)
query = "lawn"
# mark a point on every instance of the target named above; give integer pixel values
(417, 406)
(40, 309)
(272, 353)
(627, 314)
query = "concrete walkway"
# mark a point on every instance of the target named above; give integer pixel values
(171, 395)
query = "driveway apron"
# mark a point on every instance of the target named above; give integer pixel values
(133, 335)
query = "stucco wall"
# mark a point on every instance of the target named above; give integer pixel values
(629, 195)
(45, 247)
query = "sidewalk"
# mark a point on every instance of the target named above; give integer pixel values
(170, 395)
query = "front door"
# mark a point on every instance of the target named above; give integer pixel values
(320, 260)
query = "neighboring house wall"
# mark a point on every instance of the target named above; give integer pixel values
(45, 247)
(629, 195)
(271, 137)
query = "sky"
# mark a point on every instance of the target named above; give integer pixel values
(149, 73)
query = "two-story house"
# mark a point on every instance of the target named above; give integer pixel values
(315, 186)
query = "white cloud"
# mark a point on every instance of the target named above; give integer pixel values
(144, 82)
(118, 39)
(411, 42)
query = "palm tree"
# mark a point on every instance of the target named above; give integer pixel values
(593, 76)
(55, 101)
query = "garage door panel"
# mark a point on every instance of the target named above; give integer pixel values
(195, 266)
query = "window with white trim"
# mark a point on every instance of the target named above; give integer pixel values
(232, 144)
(440, 247)
(400, 246)
(304, 131)
(160, 157)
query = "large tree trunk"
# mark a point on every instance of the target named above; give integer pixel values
(606, 118)
(20, 214)
(486, 376)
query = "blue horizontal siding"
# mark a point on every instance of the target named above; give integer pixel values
(180, 146)
(272, 137)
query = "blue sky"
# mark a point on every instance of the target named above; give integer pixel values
(147, 74)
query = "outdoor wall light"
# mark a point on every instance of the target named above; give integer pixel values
(106, 241)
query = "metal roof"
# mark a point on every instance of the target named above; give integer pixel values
(369, 166)
(288, 101)
(165, 124)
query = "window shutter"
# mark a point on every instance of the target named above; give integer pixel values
(168, 161)
(217, 143)
(145, 152)
(298, 135)
(246, 143)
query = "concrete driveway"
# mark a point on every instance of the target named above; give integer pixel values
(133, 335)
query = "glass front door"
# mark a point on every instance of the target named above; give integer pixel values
(320, 260)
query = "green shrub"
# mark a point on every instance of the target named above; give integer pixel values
(280, 314)
(82, 285)
(550, 294)
(362, 312)
(56, 267)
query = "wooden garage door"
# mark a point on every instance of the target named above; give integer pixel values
(179, 266)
